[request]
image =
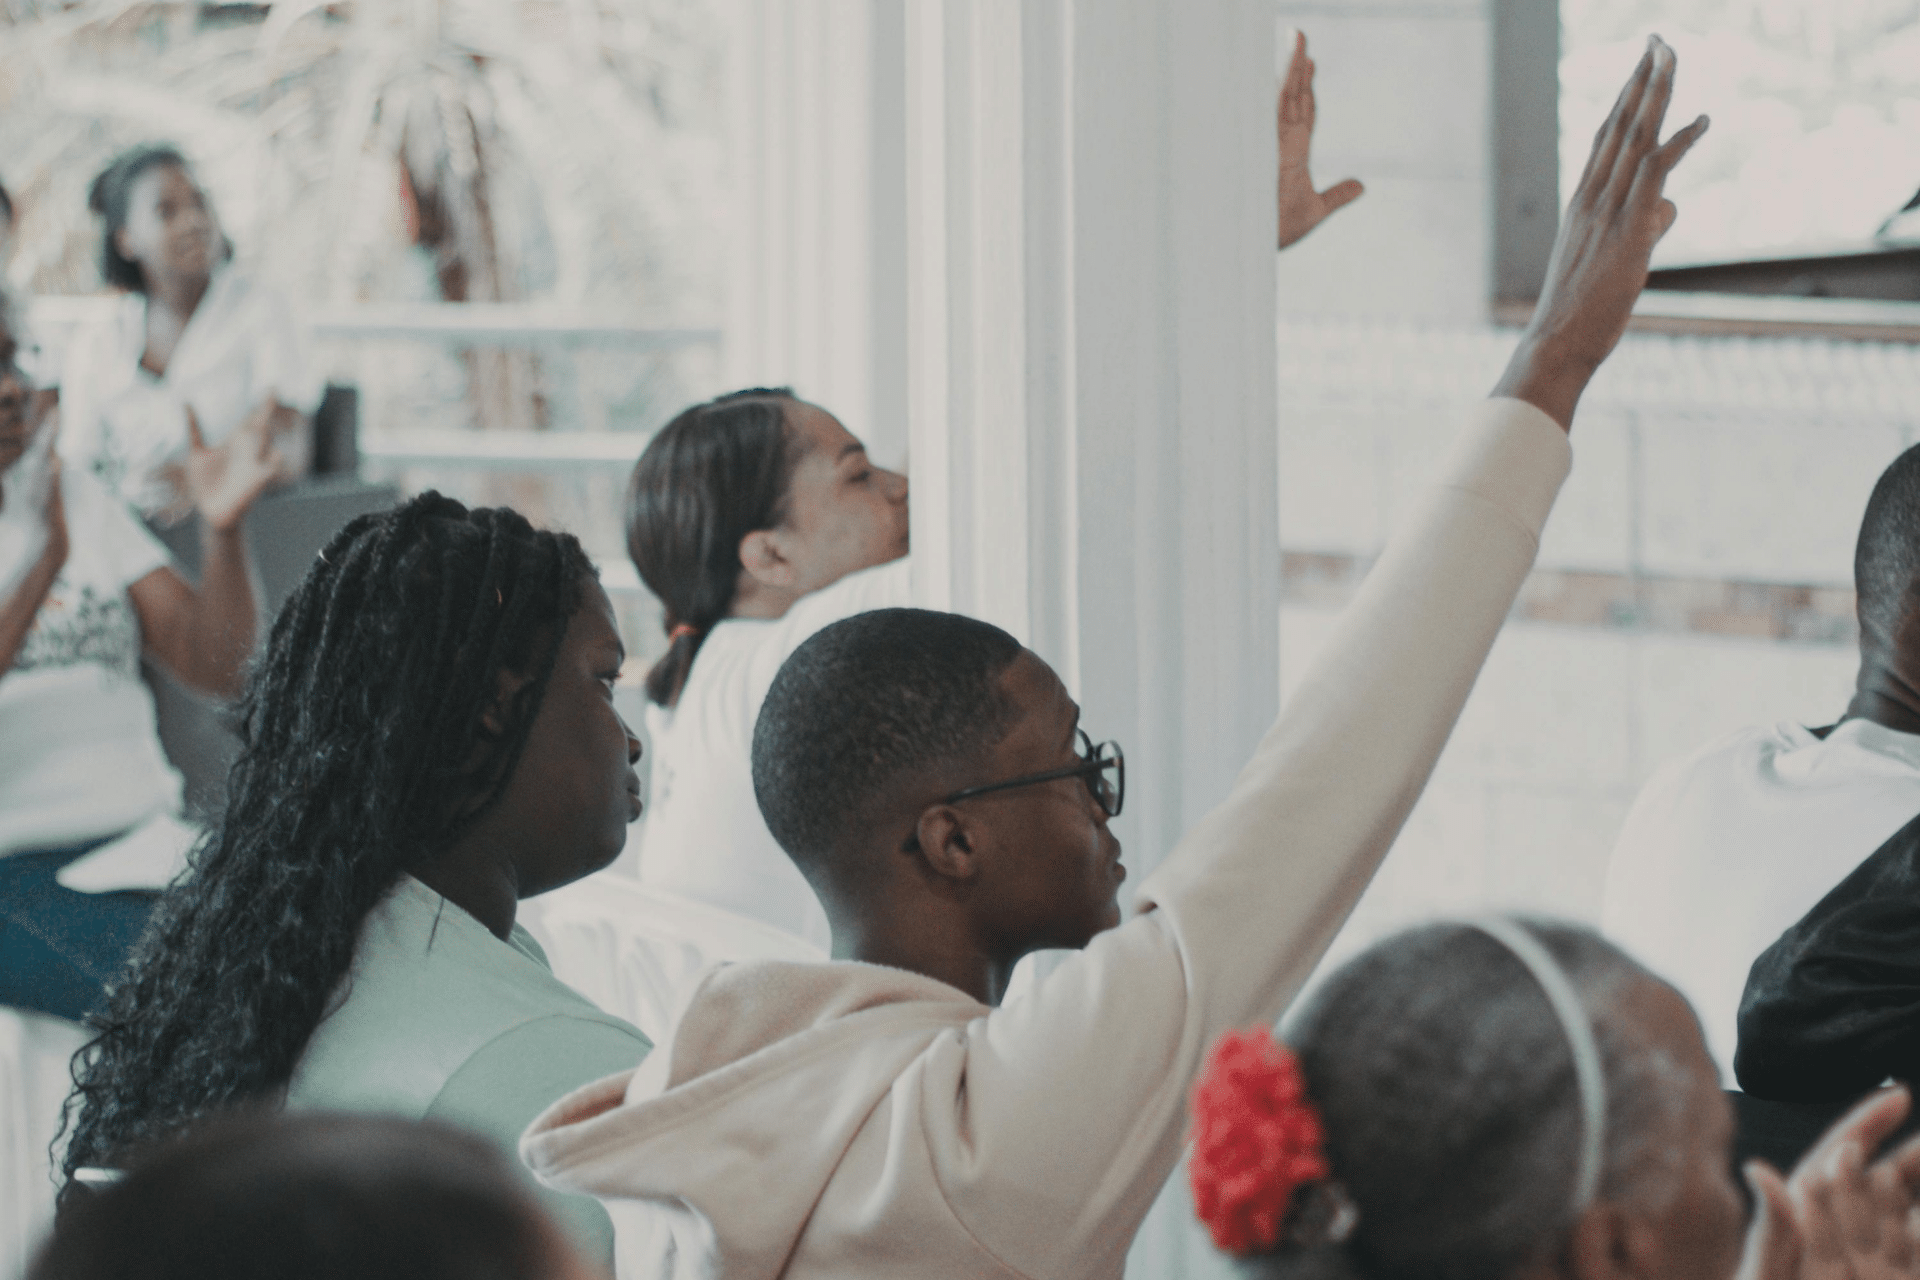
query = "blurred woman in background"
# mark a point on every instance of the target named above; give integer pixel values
(189, 331)
(84, 591)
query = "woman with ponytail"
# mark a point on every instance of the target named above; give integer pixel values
(429, 737)
(1504, 1100)
(757, 519)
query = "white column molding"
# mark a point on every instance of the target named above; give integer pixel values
(804, 150)
(1090, 333)
(1068, 292)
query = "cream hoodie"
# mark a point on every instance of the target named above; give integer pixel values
(853, 1121)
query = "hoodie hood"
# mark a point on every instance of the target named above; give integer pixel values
(747, 1115)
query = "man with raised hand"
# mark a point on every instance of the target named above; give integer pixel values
(881, 1114)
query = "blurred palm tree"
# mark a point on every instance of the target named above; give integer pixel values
(466, 150)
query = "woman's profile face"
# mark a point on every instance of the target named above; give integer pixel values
(574, 791)
(842, 513)
(170, 228)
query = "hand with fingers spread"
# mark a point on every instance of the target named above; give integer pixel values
(1599, 262)
(223, 482)
(1301, 207)
(1839, 1217)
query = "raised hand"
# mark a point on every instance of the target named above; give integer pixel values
(1301, 207)
(1599, 263)
(223, 483)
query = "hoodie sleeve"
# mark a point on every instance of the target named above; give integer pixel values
(1067, 1108)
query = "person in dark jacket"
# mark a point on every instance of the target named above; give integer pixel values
(1832, 1008)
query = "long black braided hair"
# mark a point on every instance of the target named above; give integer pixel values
(364, 754)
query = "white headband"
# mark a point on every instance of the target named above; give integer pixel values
(1574, 1021)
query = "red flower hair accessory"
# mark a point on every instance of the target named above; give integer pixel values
(1257, 1138)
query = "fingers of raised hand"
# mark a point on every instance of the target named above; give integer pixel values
(1639, 134)
(1341, 194)
(194, 435)
(1291, 87)
(1606, 140)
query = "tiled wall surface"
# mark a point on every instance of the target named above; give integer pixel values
(1694, 578)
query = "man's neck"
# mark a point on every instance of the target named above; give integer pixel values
(1887, 693)
(925, 948)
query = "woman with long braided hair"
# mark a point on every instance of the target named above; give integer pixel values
(429, 737)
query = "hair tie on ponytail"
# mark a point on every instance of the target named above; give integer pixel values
(676, 632)
(1257, 1140)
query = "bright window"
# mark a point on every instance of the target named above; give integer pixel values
(1815, 106)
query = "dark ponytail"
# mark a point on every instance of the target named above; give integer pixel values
(713, 475)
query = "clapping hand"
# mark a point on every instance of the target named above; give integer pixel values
(223, 482)
(1837, 1217)
(1599, 263)
(1301, 207)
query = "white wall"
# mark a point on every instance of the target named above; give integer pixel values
(1712, 480)
(1696, 573)
(1403, 91)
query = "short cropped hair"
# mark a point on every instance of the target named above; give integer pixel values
(862, 705)
(1886, 559)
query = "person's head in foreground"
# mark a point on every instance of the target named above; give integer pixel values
(435, 700)
(315, 1197)
(745, 503)
(158, 229)
(1494, 1100)
(930, 778)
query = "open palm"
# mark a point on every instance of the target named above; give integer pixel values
(1301, 207)
(223, 481)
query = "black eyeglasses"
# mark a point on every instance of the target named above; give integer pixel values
(1109, 793)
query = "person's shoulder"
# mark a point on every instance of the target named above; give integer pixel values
(882, 586)
(1737, 754)
(1700, 780)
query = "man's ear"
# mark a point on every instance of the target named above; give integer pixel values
(764, 558)
(947, 844)
(1610, 1242)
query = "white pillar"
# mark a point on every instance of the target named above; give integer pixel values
(1091, 379)
(814, 174)
(1066, 233)
(1090, 362)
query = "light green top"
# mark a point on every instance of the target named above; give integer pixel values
(441, 1020)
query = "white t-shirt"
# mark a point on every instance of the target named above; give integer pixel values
(1727, 847)
(241, 345)
(705, 838)
(80, 755)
